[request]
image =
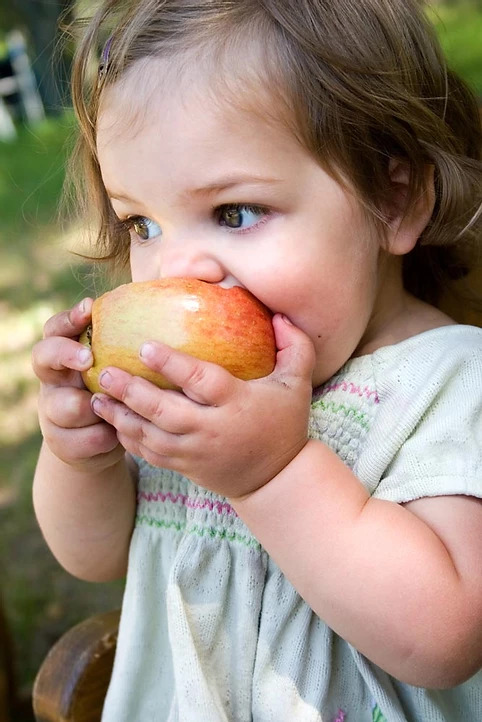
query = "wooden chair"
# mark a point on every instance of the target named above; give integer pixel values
(73, 679)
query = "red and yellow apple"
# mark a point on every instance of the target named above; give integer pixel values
(227, 326)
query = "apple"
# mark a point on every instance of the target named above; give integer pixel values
(227, 326)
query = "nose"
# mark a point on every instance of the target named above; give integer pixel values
(191, 259)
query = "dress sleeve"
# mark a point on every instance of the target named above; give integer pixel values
(431, 424)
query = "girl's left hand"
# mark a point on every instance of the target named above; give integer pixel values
(227, 435)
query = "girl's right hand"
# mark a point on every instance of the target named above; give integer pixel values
(70, 429)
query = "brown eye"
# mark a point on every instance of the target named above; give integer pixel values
(144, 228)
(232, 217)
(240, 216)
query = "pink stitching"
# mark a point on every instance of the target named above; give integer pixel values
(352, 388)
(218, 506)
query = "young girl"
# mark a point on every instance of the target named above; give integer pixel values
(306, 546)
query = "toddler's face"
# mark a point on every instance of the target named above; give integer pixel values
(224, 196)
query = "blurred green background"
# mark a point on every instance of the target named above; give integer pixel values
(39, 275)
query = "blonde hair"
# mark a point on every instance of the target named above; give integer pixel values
(364, 81)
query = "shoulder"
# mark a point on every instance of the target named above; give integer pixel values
(426, 437)
(433, 357)
(436, 374)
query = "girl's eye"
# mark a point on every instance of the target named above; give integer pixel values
(239, 216)
(144, 228)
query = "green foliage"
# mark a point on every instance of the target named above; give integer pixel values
(459, 27)
(31, 178)
(38, 277)
(31, 173)
(9, 16)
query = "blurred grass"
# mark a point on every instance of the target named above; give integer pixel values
(459, 27)
(39, 275)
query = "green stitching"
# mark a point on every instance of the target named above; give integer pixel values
(359, 417)
(200, 531)
(377, 715)
(177, 525)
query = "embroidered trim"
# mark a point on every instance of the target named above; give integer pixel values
(358, 416)
(377, 714)
(187, 501)
(340, 717)
(200, 531)
(352, 388)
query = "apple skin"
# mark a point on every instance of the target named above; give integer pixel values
(227, 326)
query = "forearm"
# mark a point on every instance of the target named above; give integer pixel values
(85, 517)
(374, 572)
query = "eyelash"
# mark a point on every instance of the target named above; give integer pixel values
(129, 223)
(265, 213)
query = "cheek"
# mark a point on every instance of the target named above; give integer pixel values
(144, 263)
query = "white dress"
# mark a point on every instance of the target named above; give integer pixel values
(212, 631)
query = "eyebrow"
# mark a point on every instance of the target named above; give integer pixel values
(228, 182)
(209, 189)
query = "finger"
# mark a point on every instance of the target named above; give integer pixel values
(70, 323)
(295, 359)
(69, 408)
(203, 382)
(134, 431)
(160, 460)
(53, 355)
(169, 410)
(73, 445)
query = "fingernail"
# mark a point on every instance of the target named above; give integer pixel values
(84, 355)
(147, 350)
(287, 320)
(82, 306)
(96, 403)
(105, 379)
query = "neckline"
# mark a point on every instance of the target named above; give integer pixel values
(356, 362)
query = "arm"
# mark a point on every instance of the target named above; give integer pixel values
(402, 584)
(84, 489)
(86, 517)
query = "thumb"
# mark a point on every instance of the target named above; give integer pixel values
(296, 353)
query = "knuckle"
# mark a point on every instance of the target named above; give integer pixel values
(63, 324)
(92, 440)
(51, 407)
(51, 354)
(155, 458)
(55, 324)
(104, 436)
(143, 434)
(39, 355)
(130, 389)
(129, 444)
(66, 407)
(152, 400)
(77, 404)
(197, 375)
(155, 409)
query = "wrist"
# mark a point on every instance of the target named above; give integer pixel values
(82, 469)
(315, 473)
(292, 462)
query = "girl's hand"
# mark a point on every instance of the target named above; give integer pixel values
(227, 435)
(70, 428)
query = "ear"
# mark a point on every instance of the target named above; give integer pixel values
(406, 224)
